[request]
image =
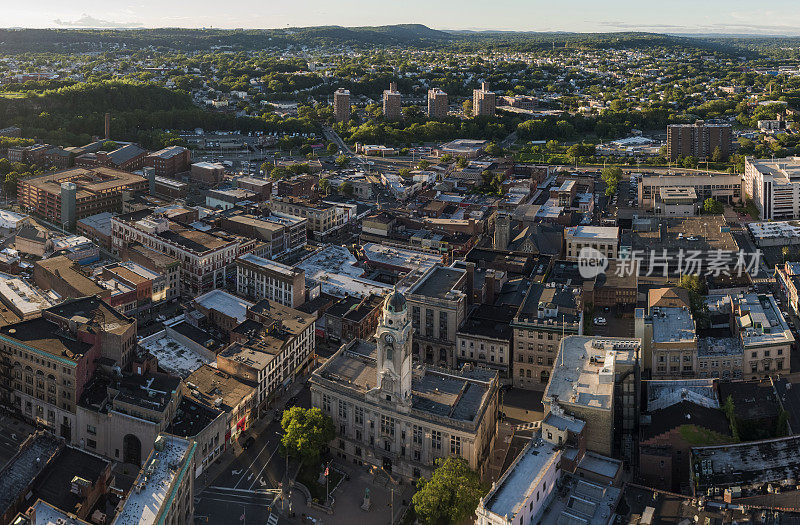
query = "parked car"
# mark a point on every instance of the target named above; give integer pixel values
(600, 321)
(247, 443)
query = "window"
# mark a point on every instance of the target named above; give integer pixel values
(436, 440)
(359, 415)
(326, 402)
(455, 445)
(91, 430)
(342, 409)
(416, 435)
(91, 443)
(387, 425)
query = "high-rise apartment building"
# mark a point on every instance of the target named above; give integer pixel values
(484, 102)
(437, 103)
(698, 140)
(341, 105)
(392, 106)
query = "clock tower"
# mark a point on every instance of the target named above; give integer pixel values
(394, 350)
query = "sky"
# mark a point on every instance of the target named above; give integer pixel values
(777, 17)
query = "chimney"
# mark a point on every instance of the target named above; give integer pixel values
(485, 86)
(392, 86)
(108, 126)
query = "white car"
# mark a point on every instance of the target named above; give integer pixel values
(600, 321)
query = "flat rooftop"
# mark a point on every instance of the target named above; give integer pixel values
(29, 461)
(439, 283)
(672, 325)
(268, 264)
(214, 388)
(225, 303)
(46, 337)
(762, 322)
(399, 257)
(90, 181)
(334, 269)
(523, 477)
(458, 396)
(747, 463)
(173, 356)
(595, 233)
(70, 462)
(157, 482)
(585, 368)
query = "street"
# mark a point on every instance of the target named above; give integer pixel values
(246, 487)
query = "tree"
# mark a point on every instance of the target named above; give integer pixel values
(109, 145)
(305, 432)
(342, 160)
(467, 106)
(494, 149)
(717, 155)
(611, 176)
(450, 495)
(446, 158)
(462, 162)
(423, 164)
(404, 172)
(324, 186)
(333, 149)
(712, 206)
(279, 172)
(346, 188)
(689, 162)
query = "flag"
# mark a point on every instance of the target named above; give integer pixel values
(241, 518)
(326, 472)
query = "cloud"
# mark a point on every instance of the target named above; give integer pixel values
(89, 21)
(719, 27)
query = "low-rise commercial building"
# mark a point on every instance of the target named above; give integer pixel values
(259, 278)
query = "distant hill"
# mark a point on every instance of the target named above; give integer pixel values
(39, 40)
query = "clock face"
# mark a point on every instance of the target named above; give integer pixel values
(389, 338)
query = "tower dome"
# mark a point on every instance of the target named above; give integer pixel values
(395, 302)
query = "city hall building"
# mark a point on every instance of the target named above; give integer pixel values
(391, 414)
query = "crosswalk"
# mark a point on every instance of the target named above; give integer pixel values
(272, 520)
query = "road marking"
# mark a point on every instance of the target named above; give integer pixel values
(258, 476)
(272, 520)
(238, 501)
(253, 463)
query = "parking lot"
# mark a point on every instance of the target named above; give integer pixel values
(617, 324)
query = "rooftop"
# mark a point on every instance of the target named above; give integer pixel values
(761, 322)
(29, 461)
(225, 303)
(770, 460)
(672, 325)
(42, 335)
(216, 389)
(598, 233)
(270, 265)
(90, 181)
(524, 476)
(172, 355)
(550, 303)
(157, 483)
(399, 257)
(585, 368)
(665, 392)
(440, 283)
(51, 486)
(334, 269)
(458, 396)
